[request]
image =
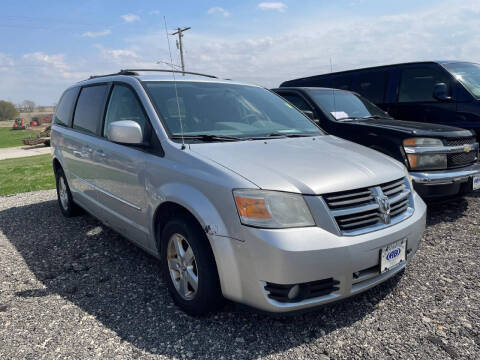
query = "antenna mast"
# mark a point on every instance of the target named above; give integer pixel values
(179, 32)
(333, 91)
(175, 83)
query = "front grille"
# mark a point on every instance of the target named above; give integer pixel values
(308, 290)
(361, 209)
(458, 141)
(461, 158)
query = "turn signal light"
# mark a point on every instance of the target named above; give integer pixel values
(252, 208)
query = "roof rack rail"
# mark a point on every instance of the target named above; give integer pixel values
(134, 72)
(128, 71)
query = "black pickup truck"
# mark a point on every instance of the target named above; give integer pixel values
(442, 160)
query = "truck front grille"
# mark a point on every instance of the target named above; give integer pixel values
(368, 209)
(458, 141)
(461, 158)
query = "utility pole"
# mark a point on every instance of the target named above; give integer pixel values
(180, 45)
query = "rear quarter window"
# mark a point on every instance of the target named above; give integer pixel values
(64, 110)
(372, 85)
(90, 107)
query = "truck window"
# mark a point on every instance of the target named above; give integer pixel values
(343, 81)
(297, 101)
(63, 112)
(416, 83)
(89, 110)
(372, 85)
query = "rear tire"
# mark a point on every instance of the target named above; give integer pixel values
(65, 200)
(189, 267)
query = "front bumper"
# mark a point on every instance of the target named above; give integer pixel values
(434, 184)
(293, 256)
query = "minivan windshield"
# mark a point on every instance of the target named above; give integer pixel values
(345, 105)
(468, 74)
(208, 111)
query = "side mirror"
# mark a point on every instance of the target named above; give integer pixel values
(125, 132)
(440, 92)
(309, 114)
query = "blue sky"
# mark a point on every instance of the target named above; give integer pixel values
(44, 48)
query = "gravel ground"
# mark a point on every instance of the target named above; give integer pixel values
(70, 288)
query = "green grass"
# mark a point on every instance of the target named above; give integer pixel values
(26, 174)
(11, 138)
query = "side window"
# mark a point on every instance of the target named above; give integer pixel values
(64, 110)
(89, 110)
(416, 84)
(124, 105)
(372, 85)
(343, 81)
(298, 101)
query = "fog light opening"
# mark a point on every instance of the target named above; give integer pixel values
(293, 292)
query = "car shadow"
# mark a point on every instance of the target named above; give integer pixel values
(120, 285)
(447, 210)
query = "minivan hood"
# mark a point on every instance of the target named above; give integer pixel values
(308, 165)
(415, 128)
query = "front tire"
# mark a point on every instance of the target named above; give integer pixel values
(189, 267)
(65, 200)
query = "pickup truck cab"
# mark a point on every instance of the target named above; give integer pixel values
(442, 160)
(438, 92)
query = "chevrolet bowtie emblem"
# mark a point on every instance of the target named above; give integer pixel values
(467, 148)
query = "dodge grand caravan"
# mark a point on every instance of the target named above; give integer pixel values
(237, 193)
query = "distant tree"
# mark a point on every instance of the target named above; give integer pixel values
(7, 110)
(28, 105)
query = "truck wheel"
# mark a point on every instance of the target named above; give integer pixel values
(65, 200)
(189, 267)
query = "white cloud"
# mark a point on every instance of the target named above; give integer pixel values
(267, 59)
(218, 10)
(94, 34)
(130, 18)
(272, 5)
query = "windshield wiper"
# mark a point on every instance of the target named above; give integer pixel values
(280, 135)
(349, 118)
(208, 137)
(375, 117)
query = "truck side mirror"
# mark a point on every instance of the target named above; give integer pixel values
(440, 92)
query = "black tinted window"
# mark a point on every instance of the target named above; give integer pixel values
(417, 83)
(372, 85)
(343, 81)
(298, 101)
(124, 105)
(89, 110)
(64, 110)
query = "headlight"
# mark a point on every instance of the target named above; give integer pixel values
(427, 161)
(272, 209)
(424, 161)
(422, 142)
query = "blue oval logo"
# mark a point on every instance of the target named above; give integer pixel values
(393, 254)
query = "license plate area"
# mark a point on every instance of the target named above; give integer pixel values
(393, 255)
(476, 182)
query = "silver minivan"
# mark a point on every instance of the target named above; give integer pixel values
(237, 193)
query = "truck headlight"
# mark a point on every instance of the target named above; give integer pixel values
(272, 209)
(420, 159)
